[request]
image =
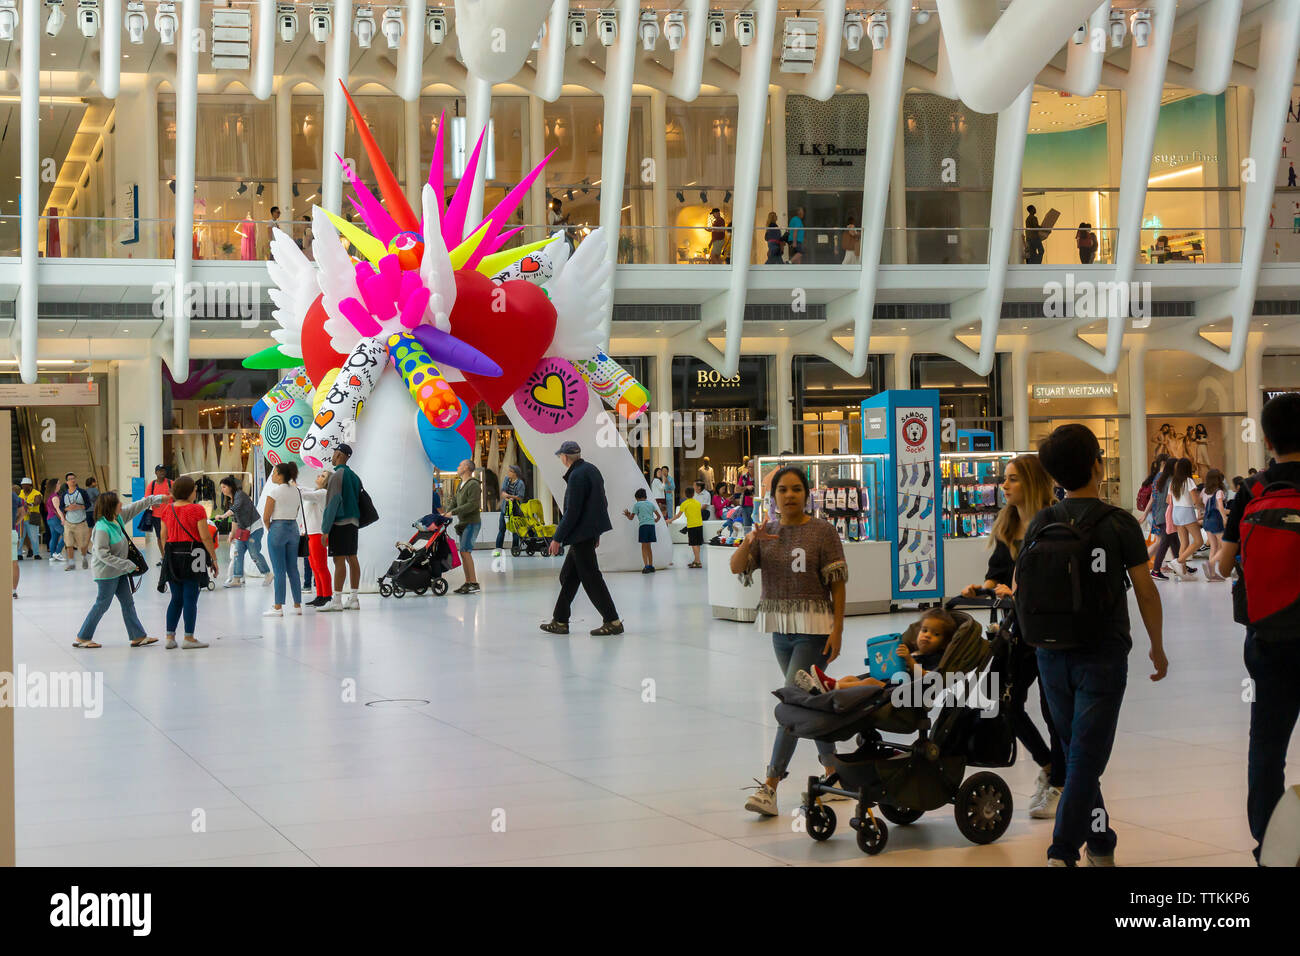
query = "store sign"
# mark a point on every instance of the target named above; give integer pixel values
(1098, 390)
(830, 154)
(1272, 393)
(874, 424)
(50, 393)
(711, 378)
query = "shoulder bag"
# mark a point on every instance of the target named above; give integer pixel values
(135, 557)
(304, 545)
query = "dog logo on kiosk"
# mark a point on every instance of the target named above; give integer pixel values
(915, 430)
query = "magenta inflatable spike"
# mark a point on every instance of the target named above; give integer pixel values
(413, 307)
(361, 319)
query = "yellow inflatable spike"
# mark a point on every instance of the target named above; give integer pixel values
(366, 244)
(323, 389)
(491, 265)
(460, 255)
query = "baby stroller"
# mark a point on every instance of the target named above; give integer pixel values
(420, 564)
(526, 522)
(953, 732)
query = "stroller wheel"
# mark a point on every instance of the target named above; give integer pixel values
(900, 816)
(440, 587)
(872, 834)
(821, 822)
(515, 550)
(399, 592)
(983, 807)
(421, 591)
(385, 590)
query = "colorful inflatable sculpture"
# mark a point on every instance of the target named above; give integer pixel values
(392, 345)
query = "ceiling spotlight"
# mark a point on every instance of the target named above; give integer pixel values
(88, 18)
(704, 196)
(364, 26)
(607, 26)
(717, 28)
(260, 188)
(569, 195)
(136, 21)
(287, 19)
(878, 30)
(799, 44)
(243, 188)
(164, 21)
(1141, 27)
(648, 29)
(321, 23)
(171, 184)
(391, 27)
(922, 16)
(744, 27)
(577, 27)
(853, 31)
(436, 23)
(294, 187)
(55, 22)
(8, 19)
(674, 29)
(681, 196)
(1117, 28)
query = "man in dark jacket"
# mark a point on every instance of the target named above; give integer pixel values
(585, 519)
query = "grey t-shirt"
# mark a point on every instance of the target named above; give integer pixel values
(75, 515)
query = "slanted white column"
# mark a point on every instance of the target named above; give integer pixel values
(478, 101)
(1255, 454)
(187, 107)
(29, 197)
(337, 53)
(620, 65)
(536, 205)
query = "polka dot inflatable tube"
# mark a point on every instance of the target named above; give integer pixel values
(433, 393)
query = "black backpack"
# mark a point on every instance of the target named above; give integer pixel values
(1061, 602)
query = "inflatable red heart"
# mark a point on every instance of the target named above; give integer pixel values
(512, 323)
(317, 352)
(529, 265)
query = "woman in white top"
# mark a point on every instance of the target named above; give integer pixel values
(313, 509)
(1182, 488)
(284, 504)
(657, 494)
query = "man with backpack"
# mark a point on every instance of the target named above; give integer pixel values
(341, 524)
(1264, 525)
(1072, 574)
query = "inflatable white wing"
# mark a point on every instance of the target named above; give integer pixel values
(581, 293)
(295, 290)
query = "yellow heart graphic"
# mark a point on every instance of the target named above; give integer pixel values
(551, 392)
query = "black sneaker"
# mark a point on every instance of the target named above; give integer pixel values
(556, 627)
(320, 601)
(647, 569)
(464, 588)
(608, 628)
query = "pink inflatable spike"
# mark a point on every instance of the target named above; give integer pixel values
(390, 267)
(363, 270)
(413, 306)
(372, 212)
(504, 210)
(361, 319)
(453, 220)
(435, 171)
(410, 283)
(375, 292)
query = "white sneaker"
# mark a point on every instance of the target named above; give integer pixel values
(1040, 789)
(354, 604)
(1099, 859)
(1047, 809)
(298, 610)
(762, 801)
(234, 583)
(70, 566)
(335, 605)
(273, 612)
(84, 563)
(267, 579)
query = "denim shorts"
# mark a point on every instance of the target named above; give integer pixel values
(468, 536)
(1184, 515)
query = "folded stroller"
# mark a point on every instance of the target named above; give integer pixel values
(960, 720)
(527, 523)
(420, 564)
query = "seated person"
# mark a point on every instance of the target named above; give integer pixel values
(937, 628)
(732, 514)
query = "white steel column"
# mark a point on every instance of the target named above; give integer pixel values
(537, 208)
(338, 53)
(284, 148)
(751, 128)
(1020, 395)
(780, 172)
(29, 197)
(264, 37)
(784, 359)
(478, 100)
(620, 66)
(1132, 376)
(898, 199)
(1256, 453)
(661, 402)
(414, 174)
(187, 107)
(410, 57)
(110, 48)
(661, 231)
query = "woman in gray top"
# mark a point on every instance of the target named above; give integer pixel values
(111, 567)
(512, 496)
(245, 514)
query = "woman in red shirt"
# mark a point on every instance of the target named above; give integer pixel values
(187, 532)
(159, 486)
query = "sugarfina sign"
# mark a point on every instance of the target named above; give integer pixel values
(1098, 390)
(830, 154)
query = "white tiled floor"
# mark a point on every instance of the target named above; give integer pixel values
(549, 734)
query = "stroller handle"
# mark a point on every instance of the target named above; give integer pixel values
(984, 597)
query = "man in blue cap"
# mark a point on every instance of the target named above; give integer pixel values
(585, 519)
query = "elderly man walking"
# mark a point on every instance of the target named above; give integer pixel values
(585, 519)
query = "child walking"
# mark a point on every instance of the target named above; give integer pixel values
(646, 514)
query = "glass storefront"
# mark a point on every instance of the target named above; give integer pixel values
(1065, 391)
(971, 401)
(1192, 411)
(724, 419)
(828, 404)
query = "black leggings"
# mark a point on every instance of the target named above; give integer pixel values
(1024, 671)
(1168, 540)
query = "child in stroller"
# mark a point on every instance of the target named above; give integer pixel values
(963, 725)
(422, 561)
(936, 627)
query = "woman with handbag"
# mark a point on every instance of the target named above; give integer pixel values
(283, 505)
(246, 535)
(114, 561)
(189, 556)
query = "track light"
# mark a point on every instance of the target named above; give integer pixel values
(1141, 27)
(853, 31)
(136, 21)
(88, 18)
(648, 29)
(364, 26)
(287, 19)
(727, 197)
(704, 196)
(675, 29)
(717, 28)
(260, 189)
(8, 19)
(1117, 28)
(436, 23)
(569, 194)
(243, 188)
(55, 21)
(294, 188)
(164, 21)
(681, 196)
(607, 26)
(391, 27)
(171, 184)
(577, 27)
(321, 23)
(922, 16)
(878, 30)
(744, 27)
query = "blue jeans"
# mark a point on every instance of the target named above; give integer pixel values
(56, 533)
(501, 532)
(1275, 669)
(282, 546)
(747, 516)
(254, 547)
(108, 587)
(185, 601)
(794, 653)
(32, 535)
(1084, 692)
